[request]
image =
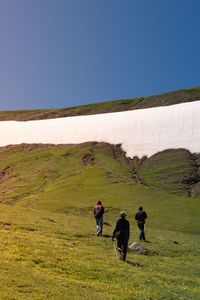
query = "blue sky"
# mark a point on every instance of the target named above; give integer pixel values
(59, 53)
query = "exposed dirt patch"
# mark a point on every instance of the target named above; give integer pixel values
(89, 158)
(120, 154)
(4, 174)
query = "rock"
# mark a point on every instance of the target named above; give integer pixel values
(175, 242)
(138, 247)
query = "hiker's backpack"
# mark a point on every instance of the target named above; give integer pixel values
(98, 211)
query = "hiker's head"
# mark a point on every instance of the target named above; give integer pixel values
(123, 214)
(140, 208)
(99, 202)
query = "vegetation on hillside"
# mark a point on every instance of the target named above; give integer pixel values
(49, 247)
(174, 171)
(170, 98)
(48, 255)
(36, 174)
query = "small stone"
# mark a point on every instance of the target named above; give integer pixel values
(175, 242)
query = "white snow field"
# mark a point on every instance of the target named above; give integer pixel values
(141, 132)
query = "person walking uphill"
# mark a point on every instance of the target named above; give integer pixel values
(140, 217)
(98, 213)
(121, 232)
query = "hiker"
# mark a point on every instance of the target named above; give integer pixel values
(140, 217)
(98, 213)
(121, 232)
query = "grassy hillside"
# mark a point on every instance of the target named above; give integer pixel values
(181, 96)
(38, 175)
(175, 171)
(67, 175)
(49, 247)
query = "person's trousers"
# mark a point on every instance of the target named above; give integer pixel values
(122, 245)
(99, 224)
(142, 235)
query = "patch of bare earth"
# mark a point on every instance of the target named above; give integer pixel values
(4, 174)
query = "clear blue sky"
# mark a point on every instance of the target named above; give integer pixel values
(59, 53)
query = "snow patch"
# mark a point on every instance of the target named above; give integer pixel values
(141, 132)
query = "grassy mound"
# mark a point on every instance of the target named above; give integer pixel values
(49, 247)
(174, 171)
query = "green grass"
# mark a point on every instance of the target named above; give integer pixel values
(170, 98)
(49, 248)
(46, 255)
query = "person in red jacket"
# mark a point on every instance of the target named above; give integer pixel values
(98, 213)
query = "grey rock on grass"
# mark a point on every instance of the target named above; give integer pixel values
(138, 248)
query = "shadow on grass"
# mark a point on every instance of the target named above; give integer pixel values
(152, 253)
(137, 265)
(107, 236)
(79, 235)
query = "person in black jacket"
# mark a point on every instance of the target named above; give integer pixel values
(98, 213)
(121, 232)
(140, 217)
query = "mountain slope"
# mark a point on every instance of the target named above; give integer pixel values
(170, 98)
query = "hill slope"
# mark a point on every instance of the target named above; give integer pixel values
(176, 97)
(48, 229)
(37, 174)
